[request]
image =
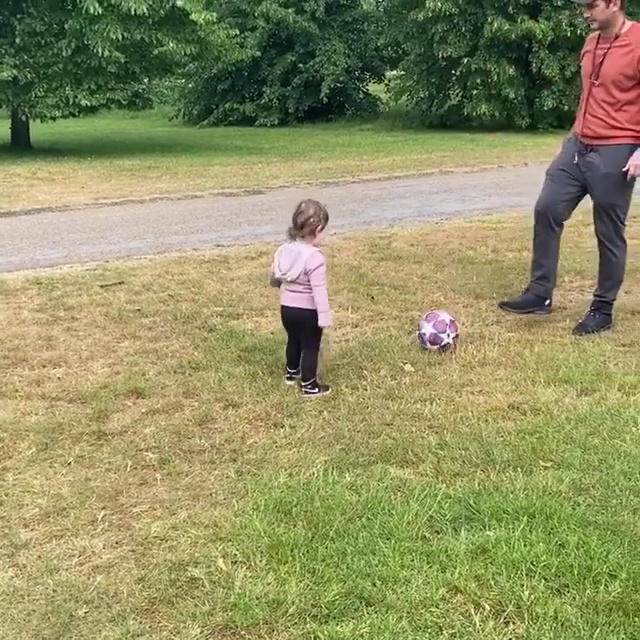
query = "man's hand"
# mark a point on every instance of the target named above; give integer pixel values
(633, 166)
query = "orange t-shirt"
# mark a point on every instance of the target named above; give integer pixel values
(609, 111)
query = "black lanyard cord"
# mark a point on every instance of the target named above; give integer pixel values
(596, 68)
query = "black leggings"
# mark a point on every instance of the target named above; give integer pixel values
(303, 343)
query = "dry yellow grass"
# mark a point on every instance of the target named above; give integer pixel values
(158, 480)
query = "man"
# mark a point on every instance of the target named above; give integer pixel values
(600, 158)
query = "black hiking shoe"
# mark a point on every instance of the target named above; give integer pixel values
(527, 302)
(594, 321)
(314, 389)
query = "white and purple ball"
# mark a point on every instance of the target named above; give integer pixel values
(438, 331)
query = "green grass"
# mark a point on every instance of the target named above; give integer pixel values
(159, 481)
(118, 156)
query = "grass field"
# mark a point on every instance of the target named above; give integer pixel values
(159, 481)
(118, 156)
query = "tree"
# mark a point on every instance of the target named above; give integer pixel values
(276, 62)
(511, 64)
(63, 59)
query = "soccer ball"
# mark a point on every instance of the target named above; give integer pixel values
(438, 331)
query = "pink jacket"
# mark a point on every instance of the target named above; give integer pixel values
(300, 271)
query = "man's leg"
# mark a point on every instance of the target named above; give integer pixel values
(563, 189)
(611, 194)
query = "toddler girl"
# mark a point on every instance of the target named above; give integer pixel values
(300, 270)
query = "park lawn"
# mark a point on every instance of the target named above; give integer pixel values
(119, 156)
(160, 481)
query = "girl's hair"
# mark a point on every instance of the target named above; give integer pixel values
(309, 218)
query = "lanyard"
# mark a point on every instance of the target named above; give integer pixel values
(596, 68)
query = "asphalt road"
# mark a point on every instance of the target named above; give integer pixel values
(57, 238)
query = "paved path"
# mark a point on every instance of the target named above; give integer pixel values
(124, 231)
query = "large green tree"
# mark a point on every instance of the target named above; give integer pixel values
(281, 61)
(511, 64)
(60, 59)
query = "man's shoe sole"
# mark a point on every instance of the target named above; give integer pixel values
(538, 311)
(581, 334)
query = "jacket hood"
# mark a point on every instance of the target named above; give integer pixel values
(290, 260)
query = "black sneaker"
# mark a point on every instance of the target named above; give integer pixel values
(594, 321)
(291, 377)
(313, 389)
(527, 302)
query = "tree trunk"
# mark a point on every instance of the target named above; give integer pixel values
(20, 131)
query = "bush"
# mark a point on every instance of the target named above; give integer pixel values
(274, 62)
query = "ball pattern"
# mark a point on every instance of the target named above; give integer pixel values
(438, 331)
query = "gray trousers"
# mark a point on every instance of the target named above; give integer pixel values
(580, 170)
